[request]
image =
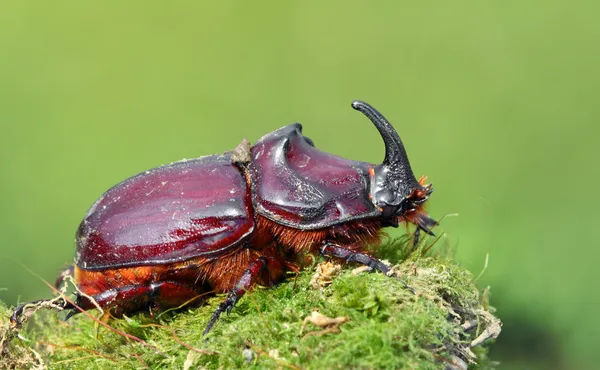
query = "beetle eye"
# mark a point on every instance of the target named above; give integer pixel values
(389, 212)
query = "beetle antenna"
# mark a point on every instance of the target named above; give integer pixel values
(395, 154)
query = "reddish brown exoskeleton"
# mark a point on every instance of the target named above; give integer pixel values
(223, 223)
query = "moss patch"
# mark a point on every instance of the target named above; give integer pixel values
(388, 326)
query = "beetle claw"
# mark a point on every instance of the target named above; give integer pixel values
(408, 287)
(225, 306)
(19, 315)
(416, 237)
(71, 313)
(15, 318)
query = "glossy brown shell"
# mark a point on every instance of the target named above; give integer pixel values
(206, 207)
(187, 209)
(300, 186)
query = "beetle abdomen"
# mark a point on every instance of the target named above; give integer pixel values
(172, 213)
(128, 289)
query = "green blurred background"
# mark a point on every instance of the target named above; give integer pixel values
(496, 102)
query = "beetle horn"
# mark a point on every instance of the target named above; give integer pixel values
(395, 154)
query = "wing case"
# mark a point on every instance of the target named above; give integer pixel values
(187, 209)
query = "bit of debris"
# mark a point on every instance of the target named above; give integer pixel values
(69, 278)
(190, 360)
(326, 272)
(457, 363)
(360, 270)
(248, 354)
(330, 325)
(241, 153)
(470, 324)
(331, 330)
(492, 329)
(274, 353)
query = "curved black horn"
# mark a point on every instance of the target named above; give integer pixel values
(394, 149)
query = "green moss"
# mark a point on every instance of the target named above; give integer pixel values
(388, 327)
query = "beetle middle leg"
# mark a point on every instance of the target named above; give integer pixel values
(337, 251)
(255, 271)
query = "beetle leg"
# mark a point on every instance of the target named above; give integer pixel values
(131, 298)
(249, 277)
(423, 224)
(416, 238)
(337, 251)
(17, 318)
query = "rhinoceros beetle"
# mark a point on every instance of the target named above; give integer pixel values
(223, 223)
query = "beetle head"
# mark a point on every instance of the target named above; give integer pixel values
(394, 188)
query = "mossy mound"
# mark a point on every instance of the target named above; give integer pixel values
(383, 325)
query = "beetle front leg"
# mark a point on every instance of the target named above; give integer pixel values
(337, 251)
(250, 276)
(416, 238)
